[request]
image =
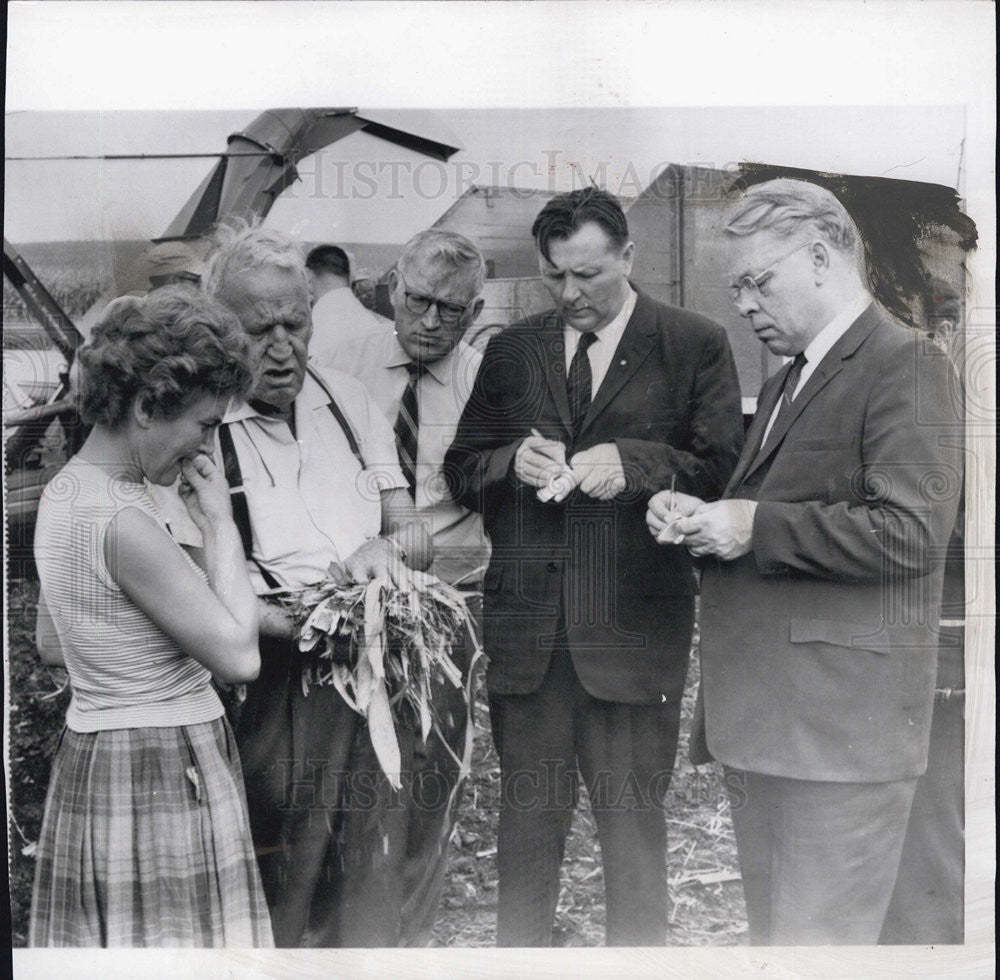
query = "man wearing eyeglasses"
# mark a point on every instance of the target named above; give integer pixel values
(575, 414)
(822, 584)
(421, 376)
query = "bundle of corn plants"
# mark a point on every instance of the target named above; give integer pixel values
(384, 649)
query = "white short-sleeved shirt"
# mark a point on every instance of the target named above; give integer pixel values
(310, 502)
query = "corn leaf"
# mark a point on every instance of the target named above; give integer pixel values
(383, 735)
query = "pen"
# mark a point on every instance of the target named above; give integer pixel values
(673, 484)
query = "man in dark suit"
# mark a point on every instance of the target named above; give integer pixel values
(574, 417)
(820, 605)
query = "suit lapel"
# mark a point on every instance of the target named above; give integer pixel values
(550, 339)
(638, 339)
(828, 368)
(823, 373)
(769, 396)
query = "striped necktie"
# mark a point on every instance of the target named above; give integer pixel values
(407, 425)
(579, 381)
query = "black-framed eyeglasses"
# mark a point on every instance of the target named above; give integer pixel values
(419, 304)
(751, 284)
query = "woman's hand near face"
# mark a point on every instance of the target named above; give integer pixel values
(205, 493)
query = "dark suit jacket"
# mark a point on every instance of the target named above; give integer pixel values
(818, 647)
(670, 401)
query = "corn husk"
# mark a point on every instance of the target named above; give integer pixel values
(383, 649)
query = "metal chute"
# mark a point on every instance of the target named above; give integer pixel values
(260, 162)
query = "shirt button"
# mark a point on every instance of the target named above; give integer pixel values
(552, 566)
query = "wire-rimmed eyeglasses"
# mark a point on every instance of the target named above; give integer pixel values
(751, 284)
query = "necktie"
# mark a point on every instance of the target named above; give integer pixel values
(787, 393)
(407, 423)
(579, 380)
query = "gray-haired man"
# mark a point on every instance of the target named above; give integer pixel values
(421, 376)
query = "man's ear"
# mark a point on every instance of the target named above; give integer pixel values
(477, 308)
(392, 280)
(628, 256)
(819, 254)
(141, 410)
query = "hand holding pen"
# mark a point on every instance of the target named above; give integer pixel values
(556, 478)
(668, 507)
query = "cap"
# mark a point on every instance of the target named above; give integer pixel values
(173, 259)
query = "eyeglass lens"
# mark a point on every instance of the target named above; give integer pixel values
(421, 304)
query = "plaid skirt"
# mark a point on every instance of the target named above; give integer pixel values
(146, 842)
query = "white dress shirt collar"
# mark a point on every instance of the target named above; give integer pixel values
(820, 345)
(602, 353)
(440, 370)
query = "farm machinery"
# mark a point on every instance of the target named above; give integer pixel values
(41, 425)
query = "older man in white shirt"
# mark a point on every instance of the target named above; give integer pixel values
(308, 458)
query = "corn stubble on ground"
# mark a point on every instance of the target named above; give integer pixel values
(707, 907)
(706, 897)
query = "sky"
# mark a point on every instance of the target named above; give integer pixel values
(538, 95)
(365, 189)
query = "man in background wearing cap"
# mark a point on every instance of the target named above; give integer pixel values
(337, 314)
(173, 262)
(159, 264)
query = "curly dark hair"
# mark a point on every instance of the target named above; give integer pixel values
(168, 348)
(566, 214)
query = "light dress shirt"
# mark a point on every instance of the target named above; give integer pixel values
(310, 502)
(601, 353)
(820, 346)
(461, 546)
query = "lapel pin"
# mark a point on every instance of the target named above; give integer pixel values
(623, 363)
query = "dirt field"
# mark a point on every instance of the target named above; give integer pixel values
(707, 901)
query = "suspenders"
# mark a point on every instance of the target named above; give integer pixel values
(238, 499)
(234, 477)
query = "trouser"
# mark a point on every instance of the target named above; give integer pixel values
(345, 859)
(928, 902)
(818, 859)
(436, 797)
(309, 766)
(625, 754)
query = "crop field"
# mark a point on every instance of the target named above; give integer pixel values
(75, 273)
(706, 897)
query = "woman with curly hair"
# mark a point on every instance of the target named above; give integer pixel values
(145, 839)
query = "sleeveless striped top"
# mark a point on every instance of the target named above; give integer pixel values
(125, 672)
